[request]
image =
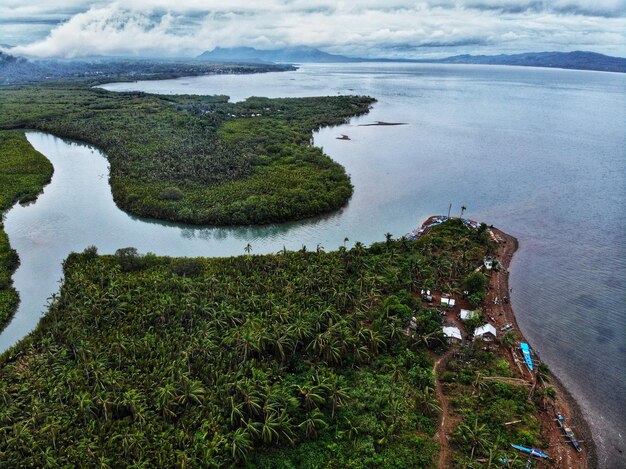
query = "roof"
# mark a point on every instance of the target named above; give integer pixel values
(466, 314)
(452, 332)
(484, 329)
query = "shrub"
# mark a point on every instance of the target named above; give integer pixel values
(129, 259)
(171, 193)
(90, 252)
(475, 283)
(187, 267)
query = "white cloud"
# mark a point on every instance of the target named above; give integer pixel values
(366, 27)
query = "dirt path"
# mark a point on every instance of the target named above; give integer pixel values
(447, 424)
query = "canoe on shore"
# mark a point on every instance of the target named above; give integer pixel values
(525, 348)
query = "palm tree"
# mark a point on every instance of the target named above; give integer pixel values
(312, 396)
(388, 238)
(427, 402)
(509, 339)
(240, 444)
(474, 436)
(248, 248)
(479, 384)
(543, 373)
(314, 421)
(463, 208)
(339, 396)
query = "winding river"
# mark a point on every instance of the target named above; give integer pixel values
(539, 153)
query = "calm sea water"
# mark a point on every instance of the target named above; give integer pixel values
(539, 153)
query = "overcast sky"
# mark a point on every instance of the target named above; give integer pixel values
(368, 28)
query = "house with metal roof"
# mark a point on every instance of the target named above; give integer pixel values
(452, 334)
(485, 332)
(466, 314)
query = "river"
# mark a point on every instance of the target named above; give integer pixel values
(539, 153)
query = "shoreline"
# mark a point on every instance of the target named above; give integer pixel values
(565, 401)
(562, 454)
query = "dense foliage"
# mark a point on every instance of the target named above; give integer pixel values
(298, 359)
(199, 159)
(23, 173)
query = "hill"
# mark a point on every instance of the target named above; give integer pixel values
(282, 55)
(579, 60)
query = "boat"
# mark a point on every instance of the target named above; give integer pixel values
(525, 348)
(569, 433)
(533, 452)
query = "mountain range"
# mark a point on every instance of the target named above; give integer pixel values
(299, 54)
(580, 60)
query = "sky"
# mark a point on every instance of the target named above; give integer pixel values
(365, 28)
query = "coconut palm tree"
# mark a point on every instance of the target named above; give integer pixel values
(313, 423)
(427, 402)
(474, 436)
(509, 339)
(543, 373)
(388, 238)
(240, 444)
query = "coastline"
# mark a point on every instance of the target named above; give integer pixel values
(501, 313)
(564, 455)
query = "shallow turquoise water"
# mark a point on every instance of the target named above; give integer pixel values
(539, 153)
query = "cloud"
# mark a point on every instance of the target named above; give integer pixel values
(365, 27)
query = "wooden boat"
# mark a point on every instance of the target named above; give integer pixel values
(532, 452)
(569, 433)
(525, 348)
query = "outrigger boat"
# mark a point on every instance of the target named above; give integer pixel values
(569, 433)
(533, 452)
(525, 348)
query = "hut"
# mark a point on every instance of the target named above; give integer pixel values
(452, 334)
(466, 314)
(485, 332)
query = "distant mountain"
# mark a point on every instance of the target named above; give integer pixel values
(282, 55)
(9, 59)
(579, 60)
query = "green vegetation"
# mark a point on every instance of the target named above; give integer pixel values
(493, 412)
(23, 173)
(199, 159)
(298, 359)
(476, 286)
